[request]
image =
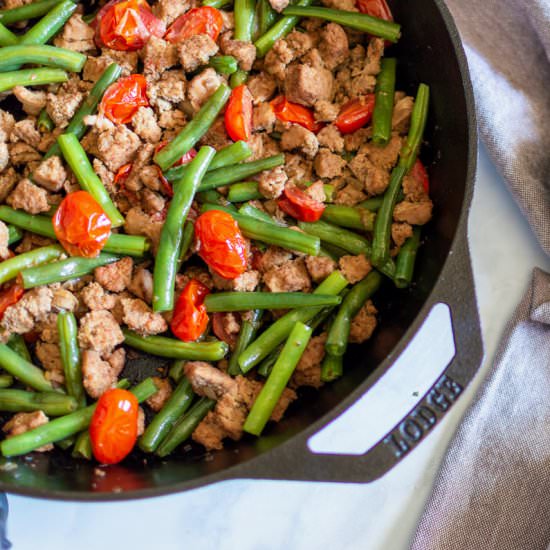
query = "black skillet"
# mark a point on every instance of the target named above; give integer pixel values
(429, 51)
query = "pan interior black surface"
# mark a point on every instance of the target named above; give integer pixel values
(425, 54)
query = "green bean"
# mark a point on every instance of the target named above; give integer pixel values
(338, 335)
(176, 372)
(342, 238)
(83, 446)
(89, 106)
(127, 245)
(64, 426)
(28, 11)
(279, 30)
(242, 301)
(270, 233)
(244, 191)
(218, 4)
(70, 356)
(14, 234)
(183, 429)
(53, 404)
(359, 21)
(64, 270)
(224, 64)
(264, 368)
(237, 78)
(23, 370)
(44, 123)
(164, 420)
(213, 197)
(7, 38)
(11, 268)
(31, 77)
(50, 56)
(249, 328)
(252, 212)
(193, 130)
(176, 349)
(244, 11)
(231, 154)
(383, 107)
(329, 190)
(166, 262)
(405, 260)
(17, 344)
(332, 367)
(6, 380)
(65, 444)
(50, 24)
(186, 240)
(373, 204)
(277, 380)
(265, 16)
(87, 178)
(349, 216)
(407, 158)
(276, 333)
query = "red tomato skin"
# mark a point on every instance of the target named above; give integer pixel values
(221, 244)
(300, 206)
(238, 114)
(10, 296)
(293, 112)
(201, 20)
(190, 319)
(375, 8)
(355, 114)
(419, 173)
(81, 225)
(123, 98)
(114, 425)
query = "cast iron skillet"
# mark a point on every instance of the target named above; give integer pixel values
(429, 51)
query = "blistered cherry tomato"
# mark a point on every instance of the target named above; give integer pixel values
(10, 296)
(114, 426)
(293, 112)
(190, 318)
(220, 243)
(300, 205)
(419, 173)
(128, 25)
(375, 8)
(355, 114)
(238, 114)
(81, 225)
(123, 98)
(203, 20)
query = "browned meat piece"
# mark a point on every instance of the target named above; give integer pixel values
(306, 85)
(289, 277)
(7, 122)
(115, 277)
(333, 45)
(51, 174)
(117, 146)
(164, 391)
(99, 331)
(262, 87)
(140, 421)
(375, 51)
(346, 5)
(62, 106)
(331, 138)
(50, 356)
(374, 178)
(263, 118)
(47, 328)
(4, 238)
(8, 179)
(152, 202)
(169, 10)
(173, 121)
(414, 189)
(150, 177)
(327, 164)
(4, 155)
(97, 375)
(319, 267)
(140, 318)
(158, 55)
(401, 117)
(95, 66)
(195, 51)
(354, 268)
(244, 52)
(23, 422)
(209, 381)
(247, 282)
(203, 86)
(262, 146)
(33, 101)
(279, 5)
(145, 125)
(25, 131)
(29, 197)
(139, 223)
(117, 360)
(22, 154)
(272, 182)
(277, 59)
(383, 157)
(415, 213)
(76, 35)
(316, 191)
(64, 299)
(400, 232)
(325, 111)
(308, 369)
(298, 138)
(216, 136)
(363, 324)
(95, 298)
(142, 284)
(209, 433)
(31, 241)
(168, 91)
(274, 257)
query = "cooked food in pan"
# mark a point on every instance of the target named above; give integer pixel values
(223, 185)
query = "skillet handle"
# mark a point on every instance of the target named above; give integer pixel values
(295, 460)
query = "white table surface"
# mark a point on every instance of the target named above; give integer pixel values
(302, 516)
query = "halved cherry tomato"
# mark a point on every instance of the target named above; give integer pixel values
(355, 114)
(127, 25)
(9, 296)
(114, 426)
(299, 205)
(293, 112)
(203, 20)
(220, 243)
(375, 8)
(81, 225)
(190, 318)
(123, 98)
(419, 173)
(238, 114)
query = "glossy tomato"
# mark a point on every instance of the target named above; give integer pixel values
(293, 112)
(300, 205)
(220, 243)
(355, 114)
(238, 114)
(123, 98)
(10, 296)
(81, 225)
(203, 20)
(114, 426)
(375, 8)
(127, 25)
(419, 173)
(190, 318)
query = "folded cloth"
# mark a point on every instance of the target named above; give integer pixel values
(492, 491)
